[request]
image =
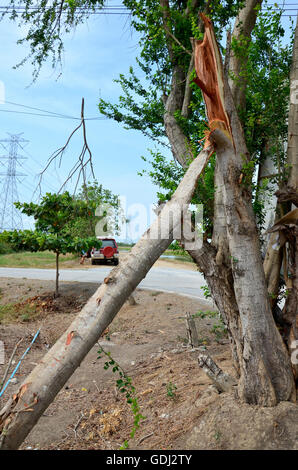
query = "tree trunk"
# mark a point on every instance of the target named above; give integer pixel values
(57, 275)
(290, 314)
(272, 266)
(46, 380)
(244, 25)
(288, 224)
(292, 151)
(265, 371)
(220, 282)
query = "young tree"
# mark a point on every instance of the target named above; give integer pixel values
(54, 216)
(97, 199)
(180, 72)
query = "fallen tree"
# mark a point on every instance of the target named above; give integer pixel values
(23, 410)
(231, 262)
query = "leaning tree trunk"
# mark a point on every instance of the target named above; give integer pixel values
(265, 370)
(23, 410)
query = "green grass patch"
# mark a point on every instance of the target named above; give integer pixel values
(26, 259)
(15, 312)
(179, 255)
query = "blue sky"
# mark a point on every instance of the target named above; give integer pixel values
(95, 54)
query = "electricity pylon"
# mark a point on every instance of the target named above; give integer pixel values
(10, 217)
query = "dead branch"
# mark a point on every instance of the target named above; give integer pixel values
(145, 437)
(81, 163)
(9, 363)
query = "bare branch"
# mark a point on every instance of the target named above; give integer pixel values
(81, 163)
(9, 363)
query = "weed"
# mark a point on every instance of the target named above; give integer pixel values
(15, 311)
(125, 386)
(207, 313)
(219, 330)
(171, 390)
(206, 292)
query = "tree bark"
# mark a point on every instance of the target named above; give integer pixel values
(292, 151)
(290, 313)
(272, 266)
(288, 224)
(265, 371)
(57, 276)
(220, 282)
(42, 385)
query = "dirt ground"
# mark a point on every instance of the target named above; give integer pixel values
(180, 407)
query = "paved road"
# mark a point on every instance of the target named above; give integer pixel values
(178, 281)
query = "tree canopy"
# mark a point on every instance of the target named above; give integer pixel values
(53, 216)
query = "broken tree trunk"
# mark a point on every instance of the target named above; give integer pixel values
(265, 370)
(46, 380)
(222, 381)
(191, 329)
(214, 259)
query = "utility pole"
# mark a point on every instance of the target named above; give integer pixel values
(10, 217)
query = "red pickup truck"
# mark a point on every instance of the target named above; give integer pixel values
(108, 252)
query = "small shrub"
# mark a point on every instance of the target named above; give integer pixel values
(171, 390)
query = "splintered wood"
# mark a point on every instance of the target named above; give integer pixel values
(208, 66)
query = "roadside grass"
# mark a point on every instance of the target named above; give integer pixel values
(26, 259)
(46, 259)
(185, 258)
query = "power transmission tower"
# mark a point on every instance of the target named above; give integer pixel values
(10, 217)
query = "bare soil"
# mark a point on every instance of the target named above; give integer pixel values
(181, 408)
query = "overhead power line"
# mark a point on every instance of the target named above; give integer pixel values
(43, 111)
(51, 115)
(122, 10)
